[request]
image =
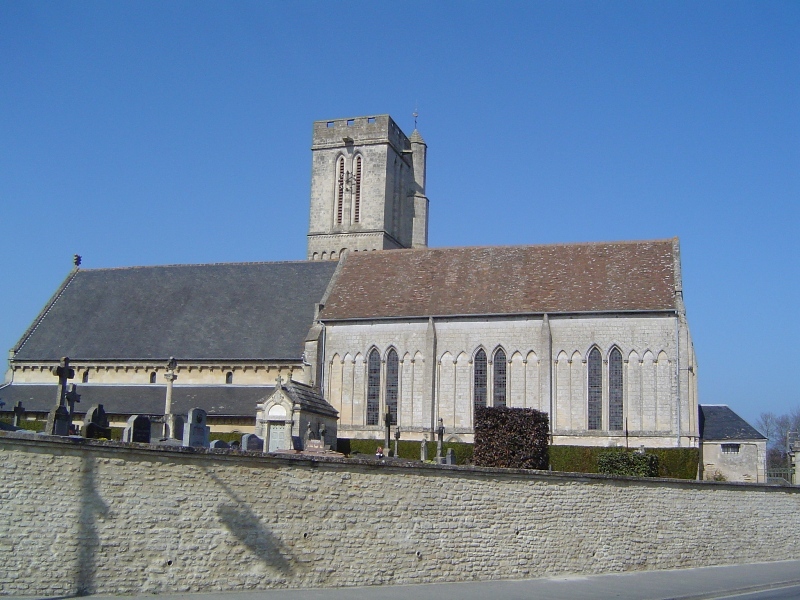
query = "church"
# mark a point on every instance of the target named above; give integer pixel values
(377, 323)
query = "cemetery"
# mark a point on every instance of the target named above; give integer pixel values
(283, 508)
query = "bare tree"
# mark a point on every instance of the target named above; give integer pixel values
(766, 424)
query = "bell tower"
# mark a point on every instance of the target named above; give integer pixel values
(367, 188)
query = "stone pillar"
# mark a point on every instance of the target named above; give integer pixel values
(169, 418)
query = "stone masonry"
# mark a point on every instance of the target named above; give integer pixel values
(99, 517)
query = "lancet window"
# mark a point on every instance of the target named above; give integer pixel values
(392, 380)
(615, 390)
(499, 387)
(339, 190)
(480, 379)
(373, 387)
(357, 190)
(595, 412)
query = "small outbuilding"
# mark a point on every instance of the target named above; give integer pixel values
(293, 415)
(730, 448)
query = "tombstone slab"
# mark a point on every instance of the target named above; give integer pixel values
(96, 423)
(219, 445)
(195, 432)
(137, 430)
(252, 443)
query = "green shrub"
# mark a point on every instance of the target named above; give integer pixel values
(514, 438)
(632, 464)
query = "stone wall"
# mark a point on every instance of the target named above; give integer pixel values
(79, 516)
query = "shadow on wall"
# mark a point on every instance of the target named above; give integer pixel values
(246, 527)
(92, 508)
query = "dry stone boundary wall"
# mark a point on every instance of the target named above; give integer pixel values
(101, 517)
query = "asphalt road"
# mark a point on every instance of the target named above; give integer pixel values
(760, 581)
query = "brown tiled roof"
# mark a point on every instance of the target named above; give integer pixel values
(561, 278)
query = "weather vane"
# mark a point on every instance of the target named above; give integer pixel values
(415, 114)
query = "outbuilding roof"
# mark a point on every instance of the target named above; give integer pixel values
(559, 278)
(228, 400)
(207, 312)
(719, 422)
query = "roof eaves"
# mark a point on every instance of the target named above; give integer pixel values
(656, 311)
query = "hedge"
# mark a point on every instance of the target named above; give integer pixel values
(513, 438)
(406, 449)
(677, 463)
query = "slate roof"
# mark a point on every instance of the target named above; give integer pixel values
(228, 400)
(204, 312)
(309, 399)
(719, 422)
(561, 278)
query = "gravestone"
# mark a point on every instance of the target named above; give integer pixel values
(219, 445)
(252, 443)
(95, 423)
(58, 421)
(137, 430)
(195, 432)
(423, 449)
(177, 422)
(450, 459)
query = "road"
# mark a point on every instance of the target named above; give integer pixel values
(759, 581)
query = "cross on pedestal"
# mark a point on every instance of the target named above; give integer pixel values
(19, 412)
(278, 381)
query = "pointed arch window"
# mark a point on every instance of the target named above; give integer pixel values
(480, 379)
(392, 380)
(373, 387)
(357, 186)
(499, 395)
(339, 190)
(595, 412)
(615, 390)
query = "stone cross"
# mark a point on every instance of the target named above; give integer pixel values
(278, 381)
(72, 397)
(63, 372)
(19, 412)
(59, 418)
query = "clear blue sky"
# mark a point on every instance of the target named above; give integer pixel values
(138, 133)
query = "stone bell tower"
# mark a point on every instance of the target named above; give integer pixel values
(367, 188)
